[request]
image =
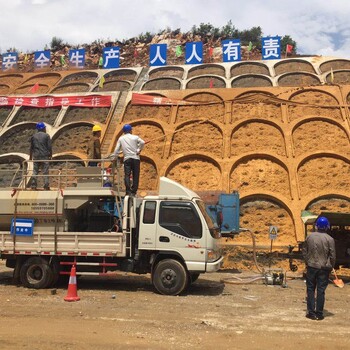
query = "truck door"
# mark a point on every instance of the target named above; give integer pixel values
(180, 229)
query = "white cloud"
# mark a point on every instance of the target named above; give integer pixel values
(316, 25)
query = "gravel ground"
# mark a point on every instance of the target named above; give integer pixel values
(124, 312)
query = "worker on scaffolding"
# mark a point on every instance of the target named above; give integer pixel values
(94, 146)
(40, 149)
(131, 146)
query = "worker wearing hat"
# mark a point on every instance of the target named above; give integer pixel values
(40, 149)
(131, 146)
(319, 254)
(94, 146)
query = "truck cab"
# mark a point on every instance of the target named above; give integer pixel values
(175, 233)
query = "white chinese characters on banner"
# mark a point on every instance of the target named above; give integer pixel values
(111, 57)
(194, 53)
(231, 50)
(77, 58)
(42, 59)
(9, 60)
(157, 55)
(271, 48)
(52, 101)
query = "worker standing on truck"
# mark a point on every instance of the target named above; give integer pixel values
(319, 255)
(94, 146)
(131, 146)
(40, 149)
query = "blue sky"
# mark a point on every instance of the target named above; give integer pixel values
(319, 27)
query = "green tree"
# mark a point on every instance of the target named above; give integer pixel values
(288, 40)
(253, 34)
(57, 44)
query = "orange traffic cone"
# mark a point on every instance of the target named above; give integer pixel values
(72, 294)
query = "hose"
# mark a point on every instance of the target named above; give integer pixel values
(248, 279)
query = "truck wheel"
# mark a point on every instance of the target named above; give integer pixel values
(36, 273)
(194, 277)
(55, 270)
(169, 277)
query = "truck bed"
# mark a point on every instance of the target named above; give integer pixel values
(67, 243)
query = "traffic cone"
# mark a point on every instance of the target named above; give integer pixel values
(72, 294)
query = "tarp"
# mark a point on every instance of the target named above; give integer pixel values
(335, 219)
(54, 101)
(308, 217)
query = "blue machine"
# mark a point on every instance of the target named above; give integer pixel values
(226, 214)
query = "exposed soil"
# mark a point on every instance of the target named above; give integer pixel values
(123, 312)
(255, 142)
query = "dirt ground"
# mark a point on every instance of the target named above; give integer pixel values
(123, 312)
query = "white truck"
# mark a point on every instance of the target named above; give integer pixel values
(169, 235)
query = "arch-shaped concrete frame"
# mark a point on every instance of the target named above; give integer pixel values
(3, 132)
(189, 156)
(256, 155)
(29, 86)
(86, 73)
(137, 122)
(209, 76)
(273, 197)
(195, 121)
(190, 95)
(106, 83)
(275, 158)
(293, 60)
(252, 92)
(247, 63)
(20, 108)
(71, 125)
(298, 122)
(75, 156)
(177, 80)
(332, 61)
(120, 71)
(6, 86)
(335, 73)
(12, 75)
(149, 160)
(282, 76)
(310, 199)
(315, 155)
(243, 76)
(272, 123)
(204, 67)
(155, 70)
(44, 75)
(294, 94)
(61, 87)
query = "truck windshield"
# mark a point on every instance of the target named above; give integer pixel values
(213, 228)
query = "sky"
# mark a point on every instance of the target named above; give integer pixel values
(320, 27)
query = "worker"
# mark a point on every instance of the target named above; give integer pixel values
(319, 254)
(94, 146)
(131, 146)
(40, 149)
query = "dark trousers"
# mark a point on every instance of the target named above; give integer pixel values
(45, 170)
(316, 281)
(131, 175)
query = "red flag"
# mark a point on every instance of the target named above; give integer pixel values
(34, 88)
(211, 51)
(211, 83)
(136, 53)
(289, 48)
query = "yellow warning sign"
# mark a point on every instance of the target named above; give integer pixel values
(273, 232)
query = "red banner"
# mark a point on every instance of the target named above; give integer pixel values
(54, 101)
